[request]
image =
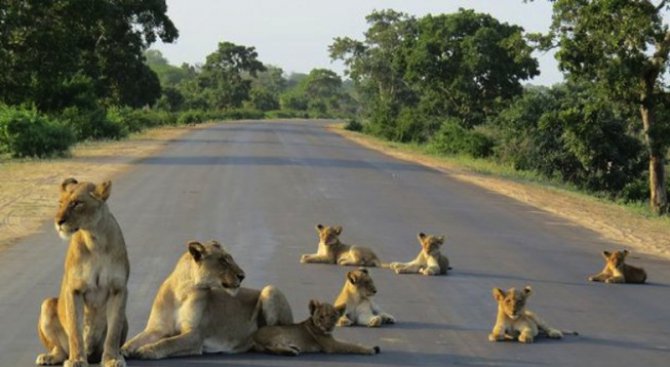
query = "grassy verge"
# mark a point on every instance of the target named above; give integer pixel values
(631, 225)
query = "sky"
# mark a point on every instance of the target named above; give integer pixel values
(295, 34)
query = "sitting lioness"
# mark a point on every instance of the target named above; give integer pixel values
(313, 335)
(355, 300)
(87, 322)
(332, 251)
(200, 308)
(617, 271)
(514, 321)
(429, 261)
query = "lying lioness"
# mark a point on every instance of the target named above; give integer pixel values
(617, 271)
(356, 301)
(332, 251)
(313, 335)
(514, 321)
(200, 308)
(429, 261)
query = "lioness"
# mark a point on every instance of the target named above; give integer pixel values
(515, 321)
(355, 300)
(313, 335)
(87, 322)
(200, 308)
(429, 261)
(617, 271)
(332, 251)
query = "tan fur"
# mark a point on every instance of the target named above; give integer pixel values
(200, 308)
(617, 271)
(514, 321)
(87, 322)
(429, 261)
(332, 251)
(313, 335)
(355, 300)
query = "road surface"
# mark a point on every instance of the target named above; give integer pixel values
(261, 187)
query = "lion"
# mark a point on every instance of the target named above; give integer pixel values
(429, 261)
(332, 251)
(355, 301)
(201, 308)
(617, 271)
(514, 321)
(87, 322)
(314, 335)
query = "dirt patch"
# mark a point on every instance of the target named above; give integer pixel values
(611, 221)
(28, 188)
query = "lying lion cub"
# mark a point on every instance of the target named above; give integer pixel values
(313, 335)
(200, 308)
(332, 251)
(355, 300)
(515, 321)
(429, 261)
(617, 271)
(87, 322)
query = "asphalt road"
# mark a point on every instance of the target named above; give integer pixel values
(260, 187)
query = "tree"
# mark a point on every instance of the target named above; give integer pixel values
(621, 48)
(223, 79)
(47, 45)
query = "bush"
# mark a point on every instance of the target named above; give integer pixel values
(25, 133)
(286, 114)
(354, 125)
(92, 124)
(451, 138)
(190, 117)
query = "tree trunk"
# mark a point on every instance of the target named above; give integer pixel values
(659, 196)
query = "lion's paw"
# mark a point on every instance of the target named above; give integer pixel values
(77, 363)
(554, 334)
(46, 359)
(119, 361)
(375, 321)
(388, 318)
(146, 352)
(344, 321)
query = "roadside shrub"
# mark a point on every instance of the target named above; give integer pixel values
(26, 133)
(92, 124)
(240, 114)
(354, 125)
(452, 138)
(190, 117)
(286, 114)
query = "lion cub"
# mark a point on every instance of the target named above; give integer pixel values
(515, 321)
(313, 335)
(332, 251)
(429, 261)
(87, 322)
(617, 271)
(355, 300)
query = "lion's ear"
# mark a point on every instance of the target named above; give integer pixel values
(67, 182)
(216, 244)
(498, 294)
(319, 227)
(440, 239)
(527, 290)
(606, 254)
(338, 230)
(351, 277)
(364, 270)
(102, 190)
(625, 253)
(313, 305)
(421, 236)
(197, 250)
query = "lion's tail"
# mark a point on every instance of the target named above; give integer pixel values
(569, 332)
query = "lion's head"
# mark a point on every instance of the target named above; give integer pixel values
(215, 268)
(361, 281)
(616, 259)
(329, 235)
(512, 302)
(81, 205)
(430, 244)
(324, 316)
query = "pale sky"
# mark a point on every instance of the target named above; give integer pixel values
(295, 34)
